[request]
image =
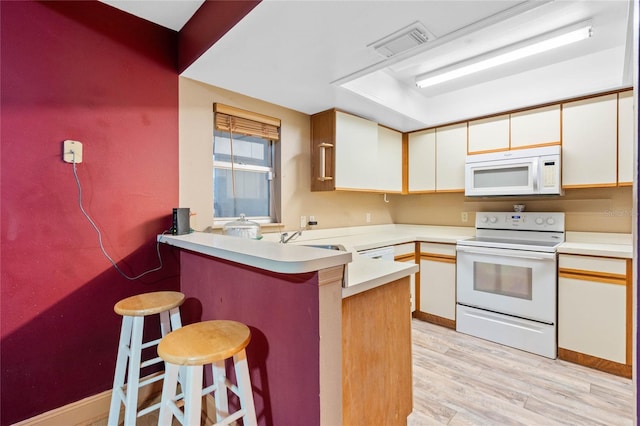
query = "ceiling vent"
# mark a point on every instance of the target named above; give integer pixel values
(402, 40)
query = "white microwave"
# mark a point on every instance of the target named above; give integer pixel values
(530, 171)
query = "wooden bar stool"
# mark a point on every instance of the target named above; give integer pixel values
(189, 349)
(133, 310)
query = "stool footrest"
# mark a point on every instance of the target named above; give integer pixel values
(151, 343)
(232, 418)
(150, 380)
(149, 409)
(152, 361)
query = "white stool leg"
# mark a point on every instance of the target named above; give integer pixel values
(176, 321)
(244, 388)
(193, 395)
(165, 325)
(168, 394)
(170, 321)
(220, 394)
(121, 368)
(133, 377)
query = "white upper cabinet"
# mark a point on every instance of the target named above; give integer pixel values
(388, 170)
(451, 152)
(489, 134)
(540, 126)
(356, 152)
(353, 153)
(625, 138)
(422, 161)
(589, 142)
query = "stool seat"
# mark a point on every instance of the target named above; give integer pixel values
(142, 305)
(186, 352)
(204, 342)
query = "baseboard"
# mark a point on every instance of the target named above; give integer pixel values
(88, 410)
(605, 365)
(434, 319)
(81, 412)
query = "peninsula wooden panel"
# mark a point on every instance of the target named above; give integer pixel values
(376, 356)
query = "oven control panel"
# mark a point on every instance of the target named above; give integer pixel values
(530, 221)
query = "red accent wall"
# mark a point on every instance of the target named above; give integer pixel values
(85, 71)
(212, 21)
(282, 311)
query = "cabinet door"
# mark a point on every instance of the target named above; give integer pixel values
(356, 152)
(389, 160)
(438, 280)
(540, 126)
(489, 134)
(592, 306)
(422, 161)
(625, 138)
(591, 318)
(451, 152)
(589, 142)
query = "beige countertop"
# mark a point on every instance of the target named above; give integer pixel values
(598, 244)
(268, 255)
(363, 273)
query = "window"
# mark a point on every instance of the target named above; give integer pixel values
(243, 164)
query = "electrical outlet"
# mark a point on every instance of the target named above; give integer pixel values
(303, 221)
(464, 216)
(368, 217)
(72, 151)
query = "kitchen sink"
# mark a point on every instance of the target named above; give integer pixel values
(327, 246)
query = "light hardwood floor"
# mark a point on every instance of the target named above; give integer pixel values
(463, 380)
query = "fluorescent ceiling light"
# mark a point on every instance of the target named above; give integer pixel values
(512, 53)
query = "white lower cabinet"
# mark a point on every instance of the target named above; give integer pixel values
(407, 253)
(437, 296)
(593, 317)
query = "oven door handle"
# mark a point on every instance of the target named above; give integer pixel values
(507, 253)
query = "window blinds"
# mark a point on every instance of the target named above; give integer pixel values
(246, 122)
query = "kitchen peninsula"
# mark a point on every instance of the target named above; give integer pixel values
(313, 348)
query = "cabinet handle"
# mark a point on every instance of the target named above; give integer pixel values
(323, 166)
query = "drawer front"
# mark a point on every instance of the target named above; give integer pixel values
(438, 249)
(404, 249)
(594, 264)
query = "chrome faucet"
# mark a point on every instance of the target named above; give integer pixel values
(285, 237)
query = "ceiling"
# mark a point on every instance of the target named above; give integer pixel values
(312, 55)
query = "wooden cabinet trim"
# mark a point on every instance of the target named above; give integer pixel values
(405, 163)
(601, 277)
(450, 191)
(438, 257)
(590, 185)
(405, 257)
